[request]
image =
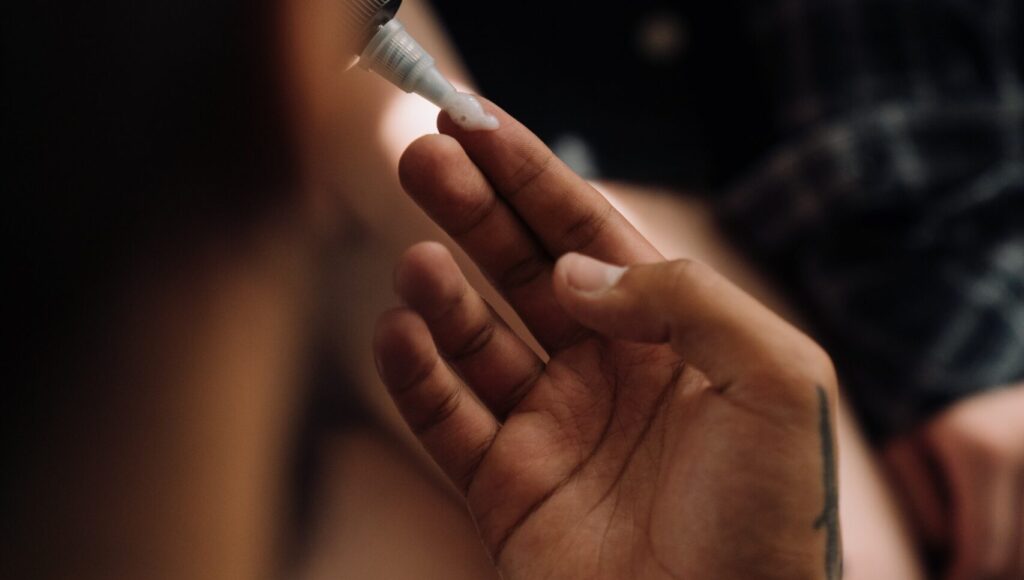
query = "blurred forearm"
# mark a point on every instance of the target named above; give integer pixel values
(163, 460)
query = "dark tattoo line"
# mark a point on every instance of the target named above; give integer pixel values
(829, 518)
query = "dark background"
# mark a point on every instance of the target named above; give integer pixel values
(686, 111)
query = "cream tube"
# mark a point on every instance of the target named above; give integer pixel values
(395, 55)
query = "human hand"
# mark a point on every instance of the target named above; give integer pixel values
(678, 430)
(963, 477)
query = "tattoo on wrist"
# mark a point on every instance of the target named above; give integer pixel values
(829, 518)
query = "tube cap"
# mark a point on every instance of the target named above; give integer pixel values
(395, 55)
(361, 19)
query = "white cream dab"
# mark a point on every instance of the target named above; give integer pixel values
(468, 113)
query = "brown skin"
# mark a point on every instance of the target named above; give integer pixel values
(970, 501)
(699, 452)
(169, 464)
(877, 545)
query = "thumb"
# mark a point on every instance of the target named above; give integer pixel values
(704, 317)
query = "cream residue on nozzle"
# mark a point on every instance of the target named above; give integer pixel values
(396, 56)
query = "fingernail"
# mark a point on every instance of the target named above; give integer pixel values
(586, 274)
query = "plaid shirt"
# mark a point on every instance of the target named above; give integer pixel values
(893, 202)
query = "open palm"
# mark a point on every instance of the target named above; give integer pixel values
(706, 457)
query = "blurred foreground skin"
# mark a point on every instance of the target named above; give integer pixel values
(963, 477)
(707, 451)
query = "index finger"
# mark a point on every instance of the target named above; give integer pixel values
(564, 211)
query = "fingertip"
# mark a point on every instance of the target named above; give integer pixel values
(580, 286)
(560, 280)
(401, 345)
(445, 124)
(585, 274)
(427, 278)
(426, 161)
(439, 176)
(590, 291)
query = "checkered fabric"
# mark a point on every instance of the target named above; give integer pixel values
(893, 204)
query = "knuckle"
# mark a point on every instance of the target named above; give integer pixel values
(780, 384)
(437, 412)
(535, 164)
(446, 302)
(523, 271)
(818, 365)
(416, 379)
(469, 213)
(476, 341)
(586, 228)
(475, 457)
(815, 368)
(517, 391)
(800, 376)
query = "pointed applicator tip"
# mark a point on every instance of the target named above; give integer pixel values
(395, 55)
